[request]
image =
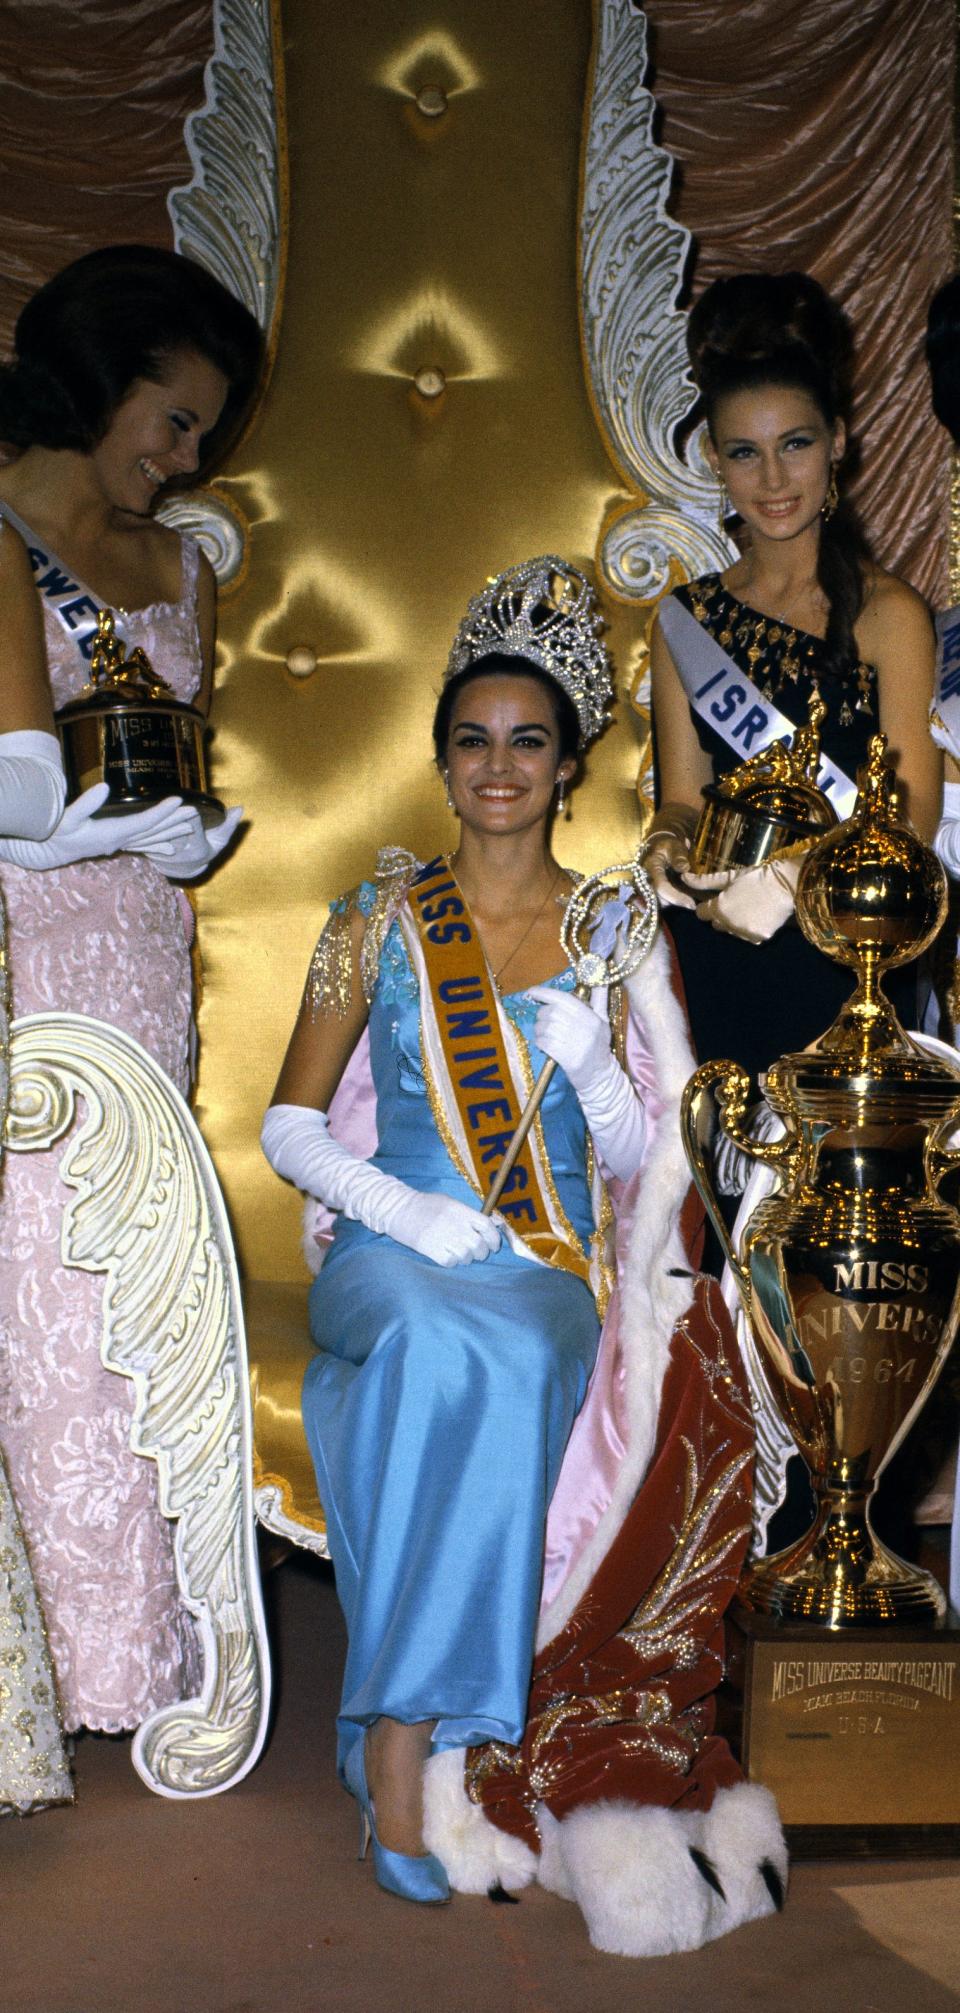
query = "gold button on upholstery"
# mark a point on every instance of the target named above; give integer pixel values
(431, 101)
(301, 660)
(430, 381)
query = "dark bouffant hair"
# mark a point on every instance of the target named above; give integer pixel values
(568, 725)
(108, 319)
(943, 355)
(758, 329)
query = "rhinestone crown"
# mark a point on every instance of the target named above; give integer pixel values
(545, 611)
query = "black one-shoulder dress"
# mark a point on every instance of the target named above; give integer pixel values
(755, 1002)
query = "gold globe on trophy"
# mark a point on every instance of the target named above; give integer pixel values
(850, 1273)
(128, 729)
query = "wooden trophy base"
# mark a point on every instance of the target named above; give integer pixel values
(856, 1732)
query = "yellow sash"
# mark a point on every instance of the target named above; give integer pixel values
(472, 1036)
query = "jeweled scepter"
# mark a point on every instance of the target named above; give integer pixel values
(608, 927)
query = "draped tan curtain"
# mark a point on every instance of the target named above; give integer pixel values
(818, 134)
(93, 99)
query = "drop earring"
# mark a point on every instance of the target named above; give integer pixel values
(832, 497)
(446, 784)
(723, 507)
(561, 798)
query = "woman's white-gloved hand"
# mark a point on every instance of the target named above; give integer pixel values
(438, 1226)
(569, 1031)
(757, 902)
(192, 849)
(80, 835)
(709, 883)
(946, 838)
(665, 857)
(296, 1140)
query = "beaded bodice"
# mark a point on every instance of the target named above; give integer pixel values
(788, 665)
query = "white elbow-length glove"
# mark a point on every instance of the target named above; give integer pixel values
(297, 1142)
(946, 838)
(170, 834)
(32, 783)
(579, 1040)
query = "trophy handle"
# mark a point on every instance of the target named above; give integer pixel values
(939, 1161)
(721, 1090)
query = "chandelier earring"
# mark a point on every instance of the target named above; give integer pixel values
(832, 497)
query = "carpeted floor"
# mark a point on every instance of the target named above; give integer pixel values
(255, 1903)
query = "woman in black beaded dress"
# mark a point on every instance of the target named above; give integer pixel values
(803, 609)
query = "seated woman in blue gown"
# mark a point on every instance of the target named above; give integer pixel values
(454, 1350)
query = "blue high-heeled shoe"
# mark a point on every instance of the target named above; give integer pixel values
(415, 1877)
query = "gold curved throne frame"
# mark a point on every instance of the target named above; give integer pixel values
(631, 256)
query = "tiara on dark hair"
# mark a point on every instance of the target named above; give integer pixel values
(545, 612)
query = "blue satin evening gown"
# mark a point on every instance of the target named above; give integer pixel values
(437, 1409)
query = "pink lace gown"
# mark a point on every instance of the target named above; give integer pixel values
(104, 937)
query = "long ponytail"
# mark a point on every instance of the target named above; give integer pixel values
(841, 564)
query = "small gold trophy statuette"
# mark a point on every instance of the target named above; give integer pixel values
(111, 670)
(127, 729)
(850, 1272)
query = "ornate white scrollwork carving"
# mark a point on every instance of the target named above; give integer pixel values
(268, 1502)
(217, 530)
(228, 216)
(148, 1213)
(632, 258)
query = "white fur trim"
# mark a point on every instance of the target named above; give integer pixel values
(629, 1868)
(475, 1853)
(651, 1301)
(741, 1828)
(626, 1865)
(552, 1868)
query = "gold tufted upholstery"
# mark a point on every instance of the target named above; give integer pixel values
(378, 507)
(279, 1349)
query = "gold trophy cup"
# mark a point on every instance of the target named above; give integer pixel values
(126, 728)
(767, 807)
(850, 1272)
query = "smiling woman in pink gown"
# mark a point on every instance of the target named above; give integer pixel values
(126, 363)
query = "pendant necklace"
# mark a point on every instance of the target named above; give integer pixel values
(521, 940)
(497, 975)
